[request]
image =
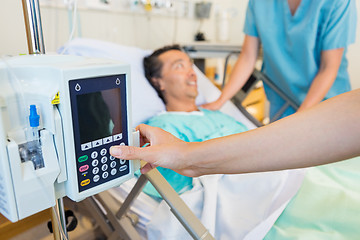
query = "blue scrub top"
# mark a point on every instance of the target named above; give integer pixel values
(292, 44)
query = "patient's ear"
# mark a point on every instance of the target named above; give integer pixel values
(158, 83)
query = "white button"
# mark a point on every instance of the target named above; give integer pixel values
(95, 162)
(96, 178)
(104, 159)
(118, 137)
(112, 158)
(113, 164)
(97, 143)
(104, 167)
(85, 146)
(123, 168)
(122, 144)
(105, 175)
(103, 152)
(113, 171)
(107, 140)
(95, 170)
(94, 154)
(122, 161)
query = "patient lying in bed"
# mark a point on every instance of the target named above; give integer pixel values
(170, 71)
(238, 206)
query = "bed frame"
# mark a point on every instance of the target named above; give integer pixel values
(116, 223)
(255, 77)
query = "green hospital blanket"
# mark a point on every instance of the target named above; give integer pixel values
(327, 205)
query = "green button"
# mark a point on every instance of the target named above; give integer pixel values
(83, 158)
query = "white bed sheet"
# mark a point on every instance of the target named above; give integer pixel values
(231, 206)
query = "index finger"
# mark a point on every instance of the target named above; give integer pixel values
(126, 152)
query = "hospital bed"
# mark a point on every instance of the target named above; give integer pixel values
(230, 206)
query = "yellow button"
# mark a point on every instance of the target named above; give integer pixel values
(85, 182)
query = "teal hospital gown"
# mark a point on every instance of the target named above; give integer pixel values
(191, 127)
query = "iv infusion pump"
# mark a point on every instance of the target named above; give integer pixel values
(59, 116)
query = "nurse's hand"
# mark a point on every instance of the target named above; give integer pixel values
(164, 150)
(216, 105)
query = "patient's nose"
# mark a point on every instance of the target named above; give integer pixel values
(191, 71)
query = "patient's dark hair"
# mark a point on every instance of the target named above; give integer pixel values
(153, 66)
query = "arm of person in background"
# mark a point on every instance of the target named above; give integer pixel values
(243, 68)
(325, 133)
(329, 66)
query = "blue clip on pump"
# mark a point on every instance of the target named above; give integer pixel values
(34, 118)
(33, 151)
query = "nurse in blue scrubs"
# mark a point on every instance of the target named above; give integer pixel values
(304, 50)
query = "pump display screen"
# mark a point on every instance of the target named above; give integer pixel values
(99, 115)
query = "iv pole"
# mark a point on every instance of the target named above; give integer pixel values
(35, 40)
(33, 26)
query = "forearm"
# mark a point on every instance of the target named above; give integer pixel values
(323, 134)
(241, 73)
(320, 135)
(318, 89)
(329, 66)
(243, 68)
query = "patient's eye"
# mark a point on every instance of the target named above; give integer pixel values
(179, 65)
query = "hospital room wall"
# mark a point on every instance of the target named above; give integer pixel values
(147, 31)
(353, 54)
(123, 27)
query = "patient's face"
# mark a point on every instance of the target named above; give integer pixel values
(178, 79)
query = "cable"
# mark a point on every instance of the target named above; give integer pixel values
(58, 223)
(74, 21)
(58, 220)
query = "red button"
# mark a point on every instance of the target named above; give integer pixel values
(84, 168)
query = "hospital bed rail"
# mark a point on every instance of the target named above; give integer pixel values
(250, 84)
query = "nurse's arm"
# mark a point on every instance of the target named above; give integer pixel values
(241, 72)
(329, 66)
(323, 134)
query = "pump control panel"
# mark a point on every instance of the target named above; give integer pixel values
(99, 117)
